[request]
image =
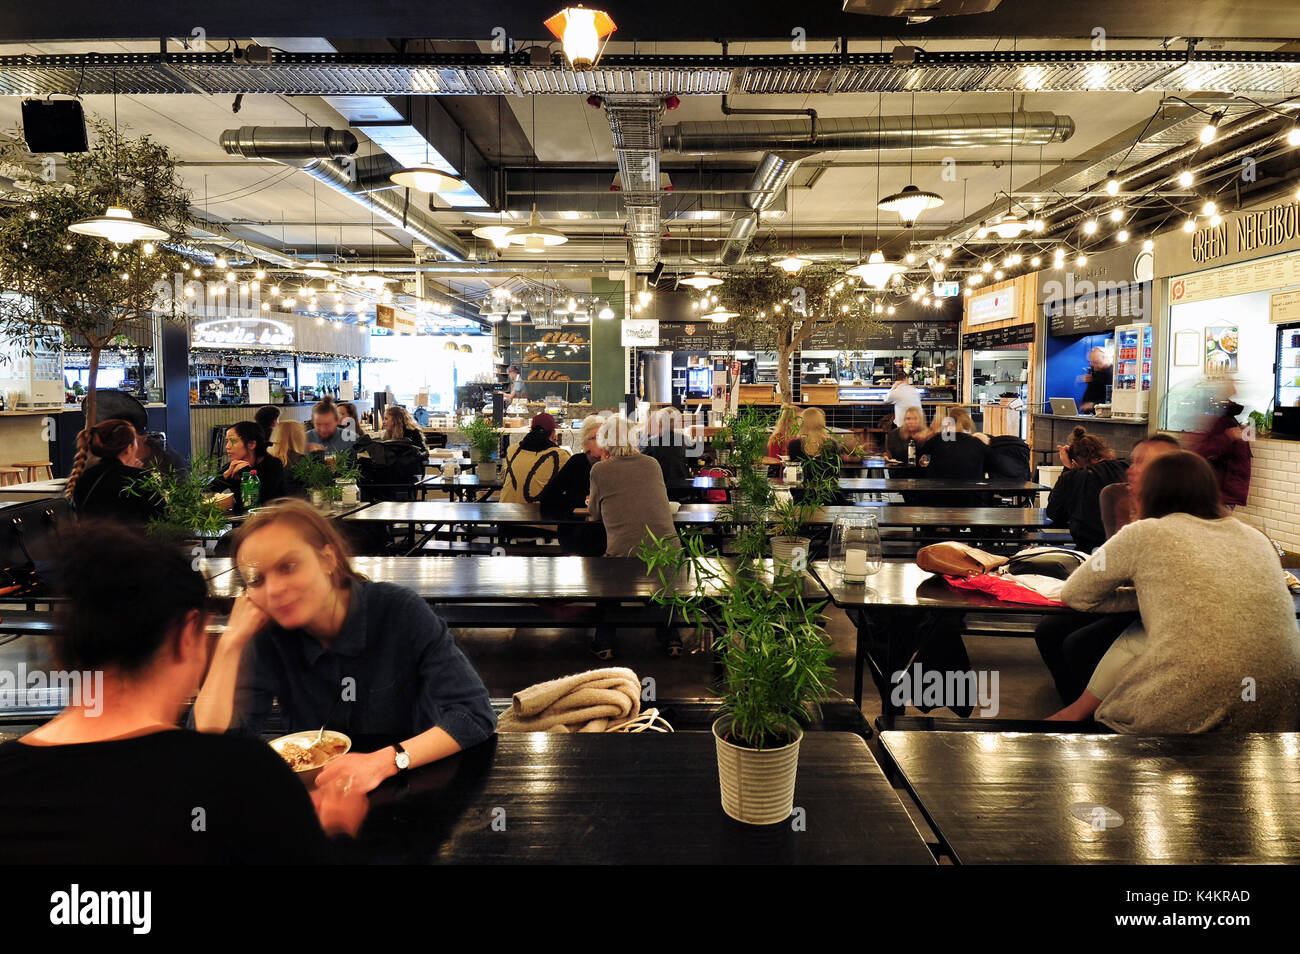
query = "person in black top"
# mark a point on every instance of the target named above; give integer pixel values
(666, 444)
(104, 490)
(399, 425)
(567, 491)
(266, 418)
(246, 448)
(1076, 496)
(1098, 380)
(952, 454)
(111, 779)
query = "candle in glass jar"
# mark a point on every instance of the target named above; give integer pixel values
(855, 566)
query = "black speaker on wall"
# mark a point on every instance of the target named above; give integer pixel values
(54, 125)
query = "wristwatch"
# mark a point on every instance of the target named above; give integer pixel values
(402, 759)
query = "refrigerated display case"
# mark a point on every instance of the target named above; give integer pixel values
(1286, 382)
(1131, 383)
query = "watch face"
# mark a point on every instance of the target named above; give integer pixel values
(403, 760)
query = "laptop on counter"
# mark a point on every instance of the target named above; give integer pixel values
(1064, 407)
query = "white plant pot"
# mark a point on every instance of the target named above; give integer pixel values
(757, 784)
(318, 498)
(351, 495)
(783, 550)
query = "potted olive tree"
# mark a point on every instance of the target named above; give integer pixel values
(485, 440)
(774, 652)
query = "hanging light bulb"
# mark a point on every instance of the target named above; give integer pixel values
(1122, 235)
(1116, 215)
(1215, 220)
(428, 178)
(116, 225)
(1185, 178)
(1189, 225)
(605, 313)
(580, 32)
(1209, 208)
(791, 264)
(876, 271)
(987, 267)
(1090, 227)
(910, 203)
(1148, 245)
(1211, 129)
(1112, 185)
(498, 235)
(1081, 261)
(1035, 262)
(700, 280)
(534, 236)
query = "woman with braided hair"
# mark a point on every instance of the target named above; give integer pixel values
(102, 490)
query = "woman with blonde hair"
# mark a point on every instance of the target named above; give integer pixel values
(787, 424)
(289, 448)
(628, 496)
(400, 426)
(814, 438)
(308, 624)
(912, 432)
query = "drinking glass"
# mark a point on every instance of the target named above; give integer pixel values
(855, 550)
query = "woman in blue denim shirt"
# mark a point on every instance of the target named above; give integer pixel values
(372, 658)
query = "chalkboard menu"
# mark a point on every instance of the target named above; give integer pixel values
(1099, 312)
(888, 336)
(998, 338)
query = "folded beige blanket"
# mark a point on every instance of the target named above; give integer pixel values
(594, 701)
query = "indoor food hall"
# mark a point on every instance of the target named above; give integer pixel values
(855, 432)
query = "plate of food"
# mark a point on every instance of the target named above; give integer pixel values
(307, 756)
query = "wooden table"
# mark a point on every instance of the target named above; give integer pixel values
(504, 579)
(999, 798)
(631, 799)
(462, 487)
(900, 586)
(921, 524)
(1022, 490)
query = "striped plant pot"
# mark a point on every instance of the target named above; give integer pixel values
(783, 551)
(757, 784)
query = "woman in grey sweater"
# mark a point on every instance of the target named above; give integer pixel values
(628, 493)
(629, 497)
(1222, 650)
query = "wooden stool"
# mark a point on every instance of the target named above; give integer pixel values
(10, 475)
(33, 468)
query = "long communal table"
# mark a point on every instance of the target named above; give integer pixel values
(921, 524)
(632, 799)
(1047, 798)
(1023, 490)
(902, 586)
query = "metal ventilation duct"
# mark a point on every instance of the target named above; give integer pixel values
(950, 131)
(770, 179)
(634, 123)
(301, 148)
(959, 130)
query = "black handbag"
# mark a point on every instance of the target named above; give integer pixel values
(1056, 562)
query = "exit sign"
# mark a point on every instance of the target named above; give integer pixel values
(947, 289)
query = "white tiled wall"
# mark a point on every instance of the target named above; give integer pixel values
(1274, 503)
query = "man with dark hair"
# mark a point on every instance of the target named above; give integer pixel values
(518, 387)
(902, 395)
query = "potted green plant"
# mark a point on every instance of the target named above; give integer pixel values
(318, 477)
(190, 509)
(484, 439)
(770, 642)
(792, 511)
(347, 477)
(776, 663)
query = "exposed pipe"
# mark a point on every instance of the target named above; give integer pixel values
(772, 175)
(958, 130)
(310, 143)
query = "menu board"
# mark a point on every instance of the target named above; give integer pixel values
(998, 337)
(890, 335)
(1270, 274)
(1092, 314)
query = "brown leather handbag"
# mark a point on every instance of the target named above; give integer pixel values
(957, 559)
